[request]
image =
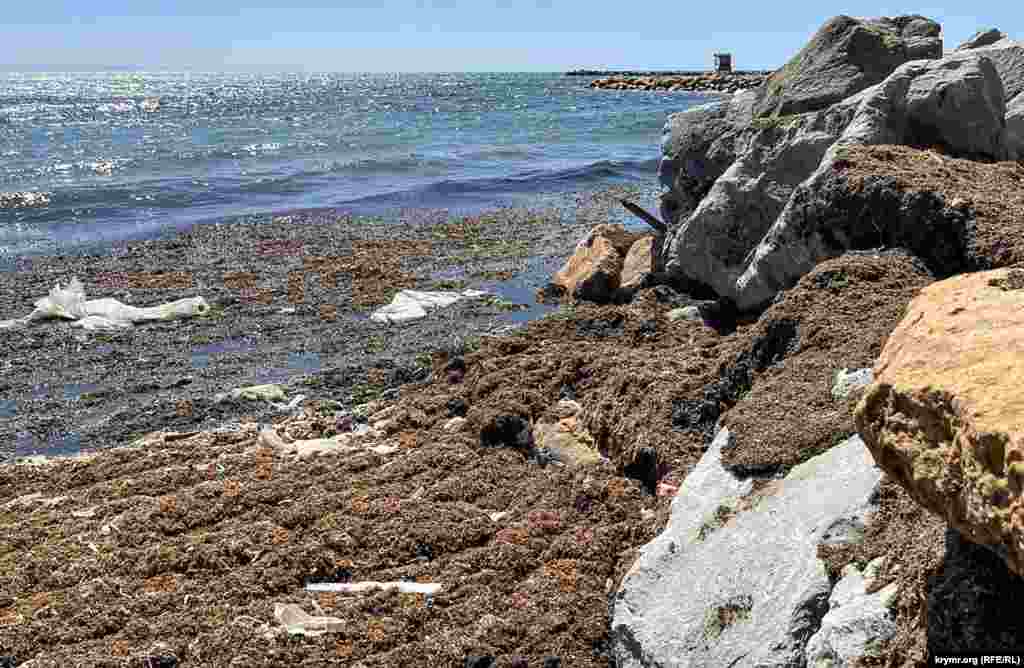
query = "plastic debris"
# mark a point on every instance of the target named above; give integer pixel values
(103, 314)
(414, 304)
(354, 587)
(291, 405)
(269, 438)
(23, 200)
(298, 622)
(35, 499)
(253, 393)
(845, 382)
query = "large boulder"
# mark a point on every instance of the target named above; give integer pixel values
(944, 416)
(845, 56)
(955, 102)
(1015, 128)
(713, 244)
(958, 103)
(734, 579)
(697, 146)
(739, 239)
(1008, 57)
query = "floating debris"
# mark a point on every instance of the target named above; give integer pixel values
(23, 200)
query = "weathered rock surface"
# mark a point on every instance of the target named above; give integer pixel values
(697, 146)
(595, 269)
(734, 579)
(982, 38)
(748, 234)
(1015, 128)
(1008, 57)
(687, 166)
(957, 102)
(845, 56)
(944, 416)
(857, 624)
(929, 102)
(715, 241)
(638, 264)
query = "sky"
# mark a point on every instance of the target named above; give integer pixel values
(440, 35)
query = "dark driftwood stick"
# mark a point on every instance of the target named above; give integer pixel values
(658, 226)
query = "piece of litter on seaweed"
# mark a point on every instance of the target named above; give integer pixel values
(403, 587)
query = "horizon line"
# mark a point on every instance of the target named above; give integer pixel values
(59, 68)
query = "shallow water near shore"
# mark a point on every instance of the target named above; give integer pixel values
(74, 390)
(216, 146)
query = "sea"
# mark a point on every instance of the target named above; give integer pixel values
(131, 155)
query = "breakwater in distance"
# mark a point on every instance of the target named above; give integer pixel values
(656, 73)
(711, 82)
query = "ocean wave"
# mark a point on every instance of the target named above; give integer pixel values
(523, 182)
(408, 163)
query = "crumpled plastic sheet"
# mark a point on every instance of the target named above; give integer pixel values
(103, 314)
(299, 622)
(414, 304)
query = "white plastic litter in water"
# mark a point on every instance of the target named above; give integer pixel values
(403, 587)
(269, 393)
(414, 304)
(103, 314)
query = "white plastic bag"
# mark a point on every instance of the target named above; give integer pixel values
(103, 314)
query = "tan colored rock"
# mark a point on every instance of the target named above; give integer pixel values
(567, 442)
(945, 416)
(638, 263)
(594, 270)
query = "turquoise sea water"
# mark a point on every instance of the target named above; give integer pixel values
(130, 154)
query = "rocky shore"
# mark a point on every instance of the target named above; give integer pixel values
(707, 82)
(779, 428)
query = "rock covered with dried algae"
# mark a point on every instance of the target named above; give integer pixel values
(945, 416)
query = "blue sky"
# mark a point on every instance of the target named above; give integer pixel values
(440, 35)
